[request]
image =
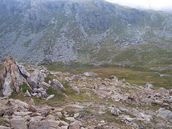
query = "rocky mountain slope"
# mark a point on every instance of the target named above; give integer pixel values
(56, 100)
(87, 31)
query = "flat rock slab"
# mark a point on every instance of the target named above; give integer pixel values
(46, 124)
(18, 123)
(3, 127)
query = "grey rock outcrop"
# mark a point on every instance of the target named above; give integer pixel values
(12, 78)
(16, 75)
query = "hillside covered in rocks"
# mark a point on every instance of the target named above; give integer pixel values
(86, 31)
(36, 98)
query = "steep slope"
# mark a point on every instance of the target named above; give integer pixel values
(89, 31)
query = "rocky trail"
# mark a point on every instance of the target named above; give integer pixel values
(35, 98)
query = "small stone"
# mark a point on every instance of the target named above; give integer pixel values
(59, 114)
(63, 123)
(50, 97)
(45, 113)
(45, 85)
(76, 89)
(115, 111)
(144, 117)
(2, 112)
(71, 119)
(169, 99)
(57, 85)
(28, 93)
(36, 118)
(50, 117)
(90, 74)
(127, 118)
(34, 94)
(22, 113)
(75, 125)
(64, 127)
(76, 115)
(9, 112)
(149, 86)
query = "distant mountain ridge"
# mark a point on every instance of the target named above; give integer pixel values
(87, 31)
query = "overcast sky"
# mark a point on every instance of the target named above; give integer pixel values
(146, 4)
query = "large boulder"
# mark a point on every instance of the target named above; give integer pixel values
(165, 114)
(7, 88)
(18, 123)
(57, 85)
(75, 125)
(23, 71)
(12, 77)
(36, 78)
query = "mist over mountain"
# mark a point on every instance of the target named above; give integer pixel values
(87, 31)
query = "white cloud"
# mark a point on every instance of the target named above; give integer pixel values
(146, 4)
